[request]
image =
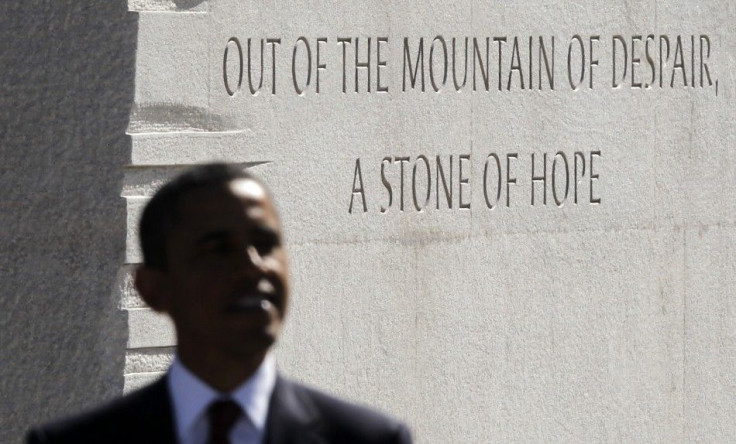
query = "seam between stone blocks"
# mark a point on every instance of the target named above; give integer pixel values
(684, 332)
(486, 234)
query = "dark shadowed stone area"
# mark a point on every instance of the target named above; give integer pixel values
(66, 89)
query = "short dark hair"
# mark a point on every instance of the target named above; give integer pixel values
(161, 214)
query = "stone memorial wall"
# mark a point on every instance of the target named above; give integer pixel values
(506, 221)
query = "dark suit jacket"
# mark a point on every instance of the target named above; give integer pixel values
(297, 414)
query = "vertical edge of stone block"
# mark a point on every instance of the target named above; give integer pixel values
(135, 205)
(125, 292)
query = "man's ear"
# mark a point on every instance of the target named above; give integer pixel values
(151, 285)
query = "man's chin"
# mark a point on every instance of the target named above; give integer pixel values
(255, 342)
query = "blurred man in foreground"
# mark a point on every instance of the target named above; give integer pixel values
(214, 261)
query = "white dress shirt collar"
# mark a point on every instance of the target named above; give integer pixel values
(191, 396)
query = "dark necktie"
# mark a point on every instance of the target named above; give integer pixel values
(222, 416)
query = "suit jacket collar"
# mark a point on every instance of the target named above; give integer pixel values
(153, 414)
(292, 416)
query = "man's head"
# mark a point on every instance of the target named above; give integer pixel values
(214, 261)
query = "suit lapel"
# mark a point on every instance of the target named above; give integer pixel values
(154, 414)
(292, 416)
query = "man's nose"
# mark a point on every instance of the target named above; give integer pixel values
(251, 262)
(253, 256)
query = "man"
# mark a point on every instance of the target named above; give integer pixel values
(214, 261)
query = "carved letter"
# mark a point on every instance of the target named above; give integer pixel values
(542, 178)
(320, 66)
(618, 38)
(554, 179)
(402, 161)
(380, 64)
(344, 41)
(593, 176)
(231, 92)
(448, 191)
(386, 184)
(414, 183)
(273, 43)
(419, 66)
(573, 84)
(358, 177)
(581, 156)
(309, 65)
(440, 39)
(509, 179)
(485, 180)
(462, 181)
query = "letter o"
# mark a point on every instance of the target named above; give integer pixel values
(582, 62)
(567, 178)
(229, 90)
(414, 182)
(440, 39)
(485, 180)
(309, 65)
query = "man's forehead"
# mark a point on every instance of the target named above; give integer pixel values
(247, 188)
(248, 191)
(243, 195)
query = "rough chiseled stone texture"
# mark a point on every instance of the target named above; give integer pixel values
(66, 90)
(148, 360)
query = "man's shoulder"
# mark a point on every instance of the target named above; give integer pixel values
(343, 421)
(332, 407)
(144, 412)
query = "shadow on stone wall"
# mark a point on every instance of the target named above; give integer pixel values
(67, 80)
